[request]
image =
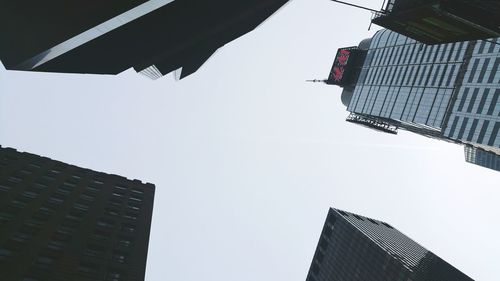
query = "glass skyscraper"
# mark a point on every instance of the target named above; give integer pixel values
(447, 91)
(353, 247)
(59, 222)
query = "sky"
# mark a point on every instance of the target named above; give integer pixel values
(247, 157)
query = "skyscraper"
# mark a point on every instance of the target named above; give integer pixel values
(353, 247)
(441, 21)
(446, 91)
(62, 222)
(154, 37)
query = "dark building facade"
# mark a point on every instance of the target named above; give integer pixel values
(442, 21)
(62, 222)
(448, 91)
(107, 37)
(353, 247)
(482, 157)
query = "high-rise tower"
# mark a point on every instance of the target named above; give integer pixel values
(154, 37)
(446, 91)
(441, 21)
(353, 247)
(62, 222)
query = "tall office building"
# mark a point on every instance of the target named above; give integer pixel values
(62, 222)
(353, 247)
(441, 21)
(446, 91)
(154, 37)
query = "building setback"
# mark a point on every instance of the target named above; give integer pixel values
(353, 247)
(62, 222)
(445, 91)
(154, 37)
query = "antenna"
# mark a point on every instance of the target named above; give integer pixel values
(317, 80)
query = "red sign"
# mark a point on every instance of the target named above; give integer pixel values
(340, 68)
(343, 57)
(337, 73)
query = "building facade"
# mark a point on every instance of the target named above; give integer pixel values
(445, 91)
(441, 21)
(482, 157)
(154, 37)
(62, 222)
(353, 247)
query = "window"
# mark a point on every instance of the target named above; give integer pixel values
(387, 225)
(87, 197)
(55, 245)
(473, 71)
(130, 216)
(114, 276)
(494, 134)
(33, 165)
(93, 253)
(453, 127)
(63, 234)
(465, 122)
(44, 261)
(486, 62)
(319, 256)
(472, 129)
(92, 189)
(81, 207)
(15, 179)
(472, 100)
(4, 187)
(463, 99)
(5, 217)
(88, 269)
(483, 131)
(119, 194)
(54, 200)
(133, 207)
(126, 227)
(323, 244)
(315, 269)
(493, 103)
(105, 222)
(343, 213)
(119, 187)
(494, 70)
(119, 257)
(4, 253)
(21, 237)
(359, 218)
(136, 191)
(124, 243)
(483, 101)
(112, 211)
(136, 200)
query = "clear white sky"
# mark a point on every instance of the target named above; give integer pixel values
(247, 157)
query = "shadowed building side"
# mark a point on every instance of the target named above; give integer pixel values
(354, 247)
(154, 37)
(61, 222)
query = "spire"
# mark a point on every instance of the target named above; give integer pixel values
(317, 80)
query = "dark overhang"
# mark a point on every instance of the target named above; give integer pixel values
(440, 21)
